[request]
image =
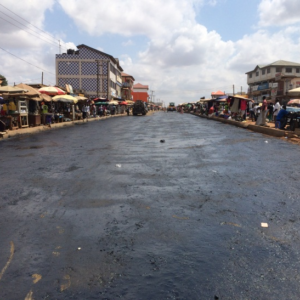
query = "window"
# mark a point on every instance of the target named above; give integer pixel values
(268, 70)
(250, 75)
(263, 72)
(288, 70)
(297, 70)
(257, 73)
(278, 69)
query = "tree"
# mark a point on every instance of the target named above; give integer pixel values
(4, 81)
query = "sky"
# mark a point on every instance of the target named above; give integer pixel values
(183, 50)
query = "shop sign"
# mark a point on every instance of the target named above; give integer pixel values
(273, 85)
(263, 86)
(273, 92)
(277, 76)
(255, 88)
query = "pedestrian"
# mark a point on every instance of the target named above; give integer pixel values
(101, 111)
(276, 110)
(127, 110)
(261, 120)
(281, 117)
(88, 112)
(84, 110)
(270, 110)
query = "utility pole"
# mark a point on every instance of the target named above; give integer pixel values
(97, 61)
(233, 89)
(241, 90)
(59, 47)
(152, 95)
(42, 77)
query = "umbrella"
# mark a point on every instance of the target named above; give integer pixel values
(113, 102)
(51, 91)
(294, 91)
(294, 101)
(80, 98)
(30, 90)
(11, 89)
(65, 98)
(101, 103)
(123, 103)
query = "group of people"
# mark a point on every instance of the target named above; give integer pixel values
(276, 113)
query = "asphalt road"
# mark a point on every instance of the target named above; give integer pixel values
(105, 210)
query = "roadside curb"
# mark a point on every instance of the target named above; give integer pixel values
(255, 128)
(42, 128)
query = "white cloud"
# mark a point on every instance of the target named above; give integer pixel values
(128, 43)
(279, 12)
(31, 49)
(148, 17)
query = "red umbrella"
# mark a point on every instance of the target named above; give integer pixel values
(294, 101)
(51, 91)
(123, 103)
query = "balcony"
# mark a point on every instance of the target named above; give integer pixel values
(126, 85)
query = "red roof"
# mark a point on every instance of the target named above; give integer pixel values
(218, 93)
(140, 86)
(127, 75)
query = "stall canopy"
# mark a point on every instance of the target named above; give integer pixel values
(113, 102)
(123, 103)
(51, 91)
(65, 98)
(294, 102)
(294, 92)
(11, 89)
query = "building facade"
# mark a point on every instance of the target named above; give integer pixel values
(217, 94)
(90, 72)
(273, 81)
(127, 86)
(140, 92)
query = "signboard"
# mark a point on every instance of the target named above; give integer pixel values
(264, 86)
(255, 88)
(277, 76)
(273, 93)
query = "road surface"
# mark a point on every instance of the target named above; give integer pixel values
(104, 210)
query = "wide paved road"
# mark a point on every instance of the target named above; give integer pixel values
(105, 211)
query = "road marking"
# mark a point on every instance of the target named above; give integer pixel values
(67, 285)
(12, 251)
(230, 223)
(181, 218)
(29, 296)
(36, 278)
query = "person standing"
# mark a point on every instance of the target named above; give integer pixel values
(84, 110)
(261, 120)
(270, 109)
(276, 110)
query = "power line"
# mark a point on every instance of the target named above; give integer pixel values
(29, 24)
(28, 32)
(27, 61)
(21, 24)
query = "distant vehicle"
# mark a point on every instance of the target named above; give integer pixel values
(139, 108)
(171, 106)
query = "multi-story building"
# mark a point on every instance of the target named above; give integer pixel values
(127, 86)
(273, 80)
(90, 71)
(140, 92)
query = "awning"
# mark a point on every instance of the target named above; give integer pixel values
(112, 102)
(64, 98)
